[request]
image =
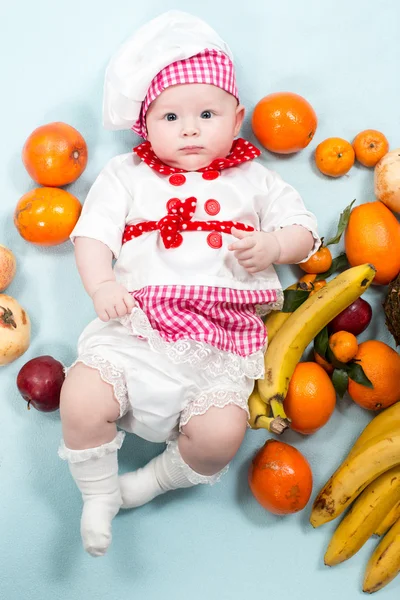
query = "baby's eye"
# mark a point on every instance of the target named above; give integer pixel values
(206, 114)
(170, 117)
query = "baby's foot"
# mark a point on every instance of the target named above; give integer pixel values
(97, 515)
(139, 487)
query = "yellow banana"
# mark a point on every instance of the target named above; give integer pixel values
(289, 343)
(373, 458)
(364, 516)
(391, 518)
(385, 421)
(260, 415)
(384, 564)
(276, 318)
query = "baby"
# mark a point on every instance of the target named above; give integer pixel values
(195, 225)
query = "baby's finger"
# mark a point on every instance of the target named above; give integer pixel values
(129, 302)
(244, 254)
(243, 244)
(120, 308)
(103, 315)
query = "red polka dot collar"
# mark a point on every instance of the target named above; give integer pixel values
(241, 151)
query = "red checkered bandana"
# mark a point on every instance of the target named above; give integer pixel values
(210, 66)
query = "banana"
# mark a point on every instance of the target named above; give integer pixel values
(384, 564)
(373, 458)
(260, 415)
(385, 421)
(391, 518)
(364, 516)
(276, 318)
(289, 343)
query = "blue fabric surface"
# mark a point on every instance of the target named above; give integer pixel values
(213, 542)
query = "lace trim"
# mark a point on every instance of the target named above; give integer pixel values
(110, 374)
(264, 309)
(219, 398)
(192, 476)
(75, 456)
(197, 354)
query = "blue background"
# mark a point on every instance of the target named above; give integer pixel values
(204, 542)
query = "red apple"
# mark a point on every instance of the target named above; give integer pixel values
(354, 319)
(39, 382)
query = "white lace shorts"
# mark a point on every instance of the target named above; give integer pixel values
(160, 386)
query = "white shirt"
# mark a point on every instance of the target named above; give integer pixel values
(128, 191)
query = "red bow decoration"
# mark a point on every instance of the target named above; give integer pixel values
(178, 218)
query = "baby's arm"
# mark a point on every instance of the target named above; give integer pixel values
(257, 250)
(94, 262)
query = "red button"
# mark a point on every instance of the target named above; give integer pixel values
(173, 204)
(210, 175)
(214, 240)
(177, 179)
(212, 207)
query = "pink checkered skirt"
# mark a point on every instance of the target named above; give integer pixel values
(224, 318)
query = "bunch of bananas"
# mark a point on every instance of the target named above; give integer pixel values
(290, 333)
(369, 478)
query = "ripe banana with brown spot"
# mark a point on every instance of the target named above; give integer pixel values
(384, 564)
(290, 341)
(365, 514)
(376, 456)
(390, 519)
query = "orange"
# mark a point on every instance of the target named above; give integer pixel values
(284, 122)
(319, 262)
(373, 236)
(344, 345)
(280, 478)
(311, 398)
(308, 280)
(55, 154)
(323, 363)
(370, 146)
(334, 157)
(317, 286)
(381, 364)
(47, 215)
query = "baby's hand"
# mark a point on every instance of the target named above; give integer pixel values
(255, 250)
(112, 300)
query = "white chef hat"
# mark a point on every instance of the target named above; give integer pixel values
(173, 36)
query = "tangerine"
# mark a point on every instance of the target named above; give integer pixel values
(381, 364)
(311, 398)
(370, 146)
(373, 236)
(323, 363)
(308, 280)
(280, 478)
(319, 262)
(55, 154)
(317, 286)
(334, 157)
(47, 215)
(344, 345)
(284, 122)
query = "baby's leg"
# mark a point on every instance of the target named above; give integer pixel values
(88, 410)
(206, 445)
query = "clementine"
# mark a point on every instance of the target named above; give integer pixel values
(370, 146)
(381, 364)
(344, 345)
(55, 154)
(280, 478)
(373, 236)
(308, 280)
(323, 363)
(47, 215)
(319, 262)
(284, 122)
(317, 286)
(334, 157)
(311, 398)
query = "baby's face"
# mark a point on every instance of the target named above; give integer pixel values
(190, 125)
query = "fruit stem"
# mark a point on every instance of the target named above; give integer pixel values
(273, 424)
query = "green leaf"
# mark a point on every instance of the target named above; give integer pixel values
(343, 220)
(356, 373)
(340, 380)
(338, 263)
(293, 299)
(321, 342)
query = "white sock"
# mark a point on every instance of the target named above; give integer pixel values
(165, 472)
(95, 472)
